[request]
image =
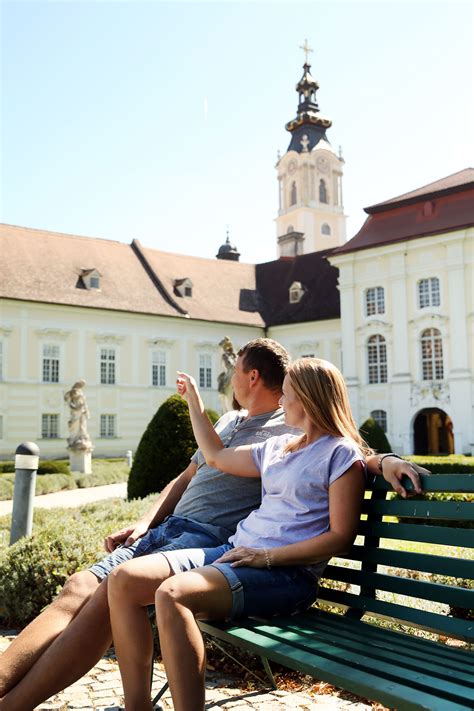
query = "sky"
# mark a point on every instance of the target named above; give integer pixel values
(161, 121)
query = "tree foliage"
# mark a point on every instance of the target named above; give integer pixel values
(375, 436)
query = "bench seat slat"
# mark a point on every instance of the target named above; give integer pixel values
(460, 660)
(445, 535)
(450, 483)
(384, 664)
(460, 597)
(438, 510)
(335, 670)
(462, 629)
(455, 567)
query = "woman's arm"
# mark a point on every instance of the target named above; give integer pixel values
(345, 499)
(233, 460)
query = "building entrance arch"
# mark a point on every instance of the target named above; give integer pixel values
(433, 432)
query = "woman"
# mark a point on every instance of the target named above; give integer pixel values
(312, 488)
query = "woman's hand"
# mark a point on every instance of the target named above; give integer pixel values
(250, 557)
(393, 471)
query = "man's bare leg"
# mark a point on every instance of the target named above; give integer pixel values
(72, 654)
(34, 640)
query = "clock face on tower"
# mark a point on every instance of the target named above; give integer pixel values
(323, 164)
(292, 166)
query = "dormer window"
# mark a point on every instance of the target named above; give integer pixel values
(183, 287)
(89, 279)
(296, 292)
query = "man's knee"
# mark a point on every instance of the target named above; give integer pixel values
(79, 587)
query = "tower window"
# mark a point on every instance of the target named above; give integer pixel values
(107, 366)
(205, 370)
(325, 229)
(323, 192)
(293, 194)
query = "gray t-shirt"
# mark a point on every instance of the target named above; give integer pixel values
(219, 501)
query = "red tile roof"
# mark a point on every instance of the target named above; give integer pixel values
(442, 206)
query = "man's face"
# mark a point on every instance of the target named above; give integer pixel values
(240, 383)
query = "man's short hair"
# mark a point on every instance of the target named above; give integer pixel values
(269, 358)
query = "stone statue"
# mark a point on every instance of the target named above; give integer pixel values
(224, 385)
(78, 442)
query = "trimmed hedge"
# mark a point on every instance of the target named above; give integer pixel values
(164, 450)
(374, 435)
(452, 464)
(58, 466)
(34, 569)
(7, 467)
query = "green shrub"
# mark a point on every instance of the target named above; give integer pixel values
(53, 467)
(113, 476)
(7, 467)
(49, 483)
(164, 450)
(64, 540)
(6, 486)
(374, 436)
(452, 464)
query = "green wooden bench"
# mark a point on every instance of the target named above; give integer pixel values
(400, 669)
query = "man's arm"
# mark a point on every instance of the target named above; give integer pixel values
(393, 468)
(162, 507)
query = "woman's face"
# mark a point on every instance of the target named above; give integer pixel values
(294, 412)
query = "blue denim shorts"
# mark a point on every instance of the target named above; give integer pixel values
(174, 533)
(256, 592)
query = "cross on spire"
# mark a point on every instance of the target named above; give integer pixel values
(306, 49)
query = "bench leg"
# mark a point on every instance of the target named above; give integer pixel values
(269, 672)
(157, 706)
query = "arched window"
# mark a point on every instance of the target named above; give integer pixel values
(432, 354)
(380, 417)
(377, 359)
(428, 292)
(325, 229)
(323, 193)
(375, 301)
(293, 194)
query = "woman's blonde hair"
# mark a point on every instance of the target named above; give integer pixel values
(321, 389)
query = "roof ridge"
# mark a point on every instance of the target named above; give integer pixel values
(62, 234)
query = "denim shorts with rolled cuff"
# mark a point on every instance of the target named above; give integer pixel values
(256, 592)
(174, 533)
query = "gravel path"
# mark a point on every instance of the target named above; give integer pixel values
(71, 499)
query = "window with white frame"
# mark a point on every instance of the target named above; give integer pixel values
(428, 292)
(205, 370)
(432, 354)
(51, 354)
(50, 426)
(107, 366)
(158, 369)
(377, 359)
(375, 301)
(380, 417)
(108, 425)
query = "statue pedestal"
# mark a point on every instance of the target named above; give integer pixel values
(80, 460)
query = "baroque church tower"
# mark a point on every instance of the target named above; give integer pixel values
(311, 214)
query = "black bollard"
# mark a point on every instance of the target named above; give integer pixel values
(26, 466)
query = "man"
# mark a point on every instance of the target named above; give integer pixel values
(201, 507)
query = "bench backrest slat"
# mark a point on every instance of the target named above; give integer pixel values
(444, 535)
(427, 563)
(436, 510)
(446, 483)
